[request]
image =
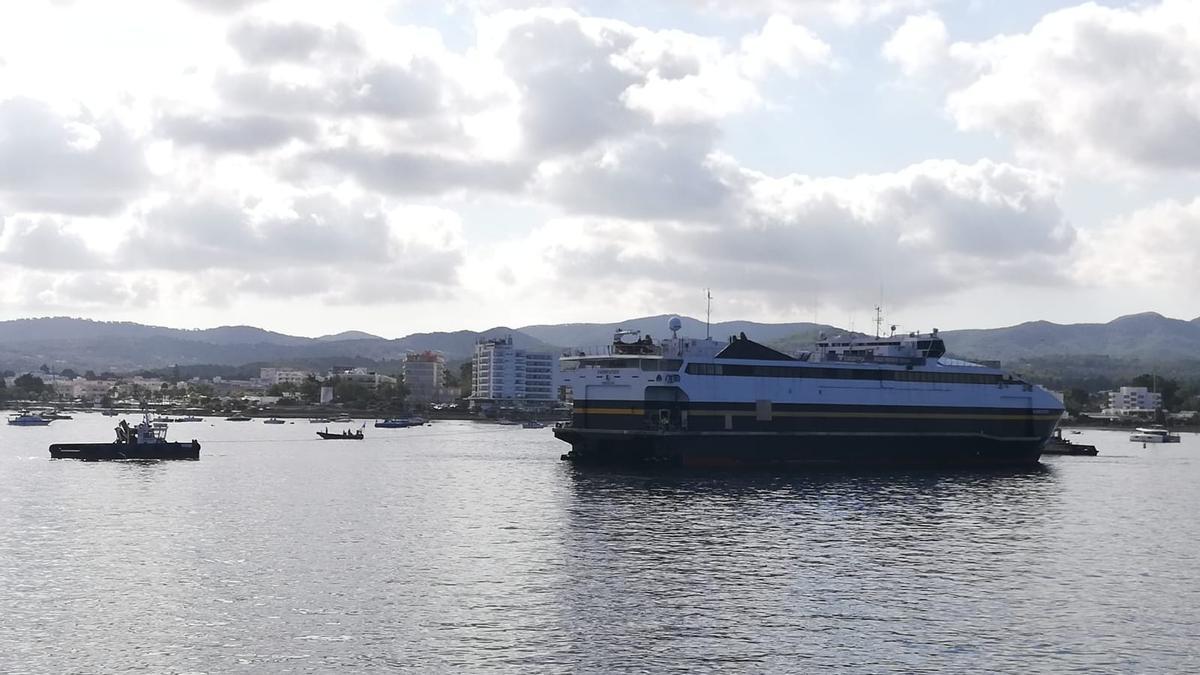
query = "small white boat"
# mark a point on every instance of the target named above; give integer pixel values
(274, 420)
(1153, 435)
(533, 424)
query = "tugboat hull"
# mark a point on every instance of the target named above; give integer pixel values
(96, 452)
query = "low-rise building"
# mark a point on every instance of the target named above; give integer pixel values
(1132, 402)
(273, 376)
(369, 378)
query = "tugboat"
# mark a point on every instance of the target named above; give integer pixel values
(148, 440)
(343, 436)
(1057, 445)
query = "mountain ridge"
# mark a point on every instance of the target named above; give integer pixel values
(60, 342)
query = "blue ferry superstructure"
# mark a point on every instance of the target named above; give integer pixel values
(856, 401)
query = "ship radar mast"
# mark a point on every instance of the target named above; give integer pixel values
(708, 315)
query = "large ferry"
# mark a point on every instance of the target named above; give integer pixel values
(851, 401)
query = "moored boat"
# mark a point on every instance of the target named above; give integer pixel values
(400, 422)
(852, 401)
(238, 418)
(148, 440)
(27, 419)
(1155, 434)
(533, 424)
(274, 420)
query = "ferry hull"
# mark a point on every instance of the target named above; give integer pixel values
(717, 449)
(96, 452)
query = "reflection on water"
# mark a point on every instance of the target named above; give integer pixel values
(761, 569)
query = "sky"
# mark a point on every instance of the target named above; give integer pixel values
(400, 166)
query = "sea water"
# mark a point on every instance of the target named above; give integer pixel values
(468, 547)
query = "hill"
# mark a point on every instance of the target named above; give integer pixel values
(1054, 353)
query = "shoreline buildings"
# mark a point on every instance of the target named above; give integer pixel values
(504, 375)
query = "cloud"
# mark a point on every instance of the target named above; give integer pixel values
(919, 45)
(59, 163)
(222, 6)
(1150, 249)
(419, 173)
(845, 12)
(244, 133)
(408, 91)
(932, 228)
(668, 177)
(583, 80)
(1094, 89)
(46, 243)
(82, 291)
(261, 42)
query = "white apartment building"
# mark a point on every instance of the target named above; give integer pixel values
(425, 377)
(1132, 401)
(506, 375)
(270, 376)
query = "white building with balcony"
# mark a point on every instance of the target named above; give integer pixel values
(1133, 401)
(504, 375)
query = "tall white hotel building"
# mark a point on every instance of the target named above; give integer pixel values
(504, 375)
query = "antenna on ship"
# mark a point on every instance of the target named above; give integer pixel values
(708, 315)
(878, 320)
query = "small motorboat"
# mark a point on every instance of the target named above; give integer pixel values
(238, 418)
(346, 435)
(399, 422)
(533, 424)
(507, 422)
(148, 440)
(274, 420)
(319, 420)
(342, 419)
(27, 419)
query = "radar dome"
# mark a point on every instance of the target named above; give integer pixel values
(674, 324)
